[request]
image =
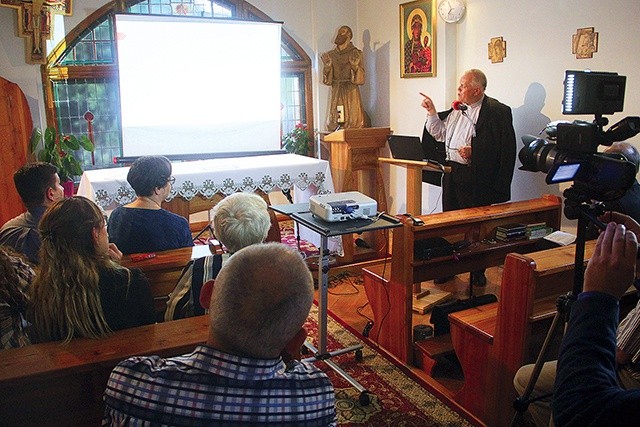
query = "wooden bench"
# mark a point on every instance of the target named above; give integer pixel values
(493, 341)
(164, 269)
(391, 296)
(62, 384)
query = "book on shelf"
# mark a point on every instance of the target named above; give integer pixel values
(539, 233)
(509, 237)
(535, 225)
(512, 227)
(538, 230)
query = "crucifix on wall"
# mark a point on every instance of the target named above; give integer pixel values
(35, 23)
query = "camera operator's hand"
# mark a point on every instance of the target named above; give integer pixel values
(623, 219)
(628, 222)
(611, 268)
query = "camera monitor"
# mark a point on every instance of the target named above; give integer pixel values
(593, 92)
(562, 172)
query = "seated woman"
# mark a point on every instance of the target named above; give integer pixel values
(15, 279)
(239, 220)
(79, 291)
(142, 225)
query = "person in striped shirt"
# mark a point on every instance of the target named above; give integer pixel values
(259, 304)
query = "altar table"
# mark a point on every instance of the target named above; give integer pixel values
(201, 180)
(206, 178)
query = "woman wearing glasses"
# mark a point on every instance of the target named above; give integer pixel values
(79, 290)
(142, 225)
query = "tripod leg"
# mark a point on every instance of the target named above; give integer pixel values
(521, 404)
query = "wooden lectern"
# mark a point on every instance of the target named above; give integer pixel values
(414, 180)
(353, 156)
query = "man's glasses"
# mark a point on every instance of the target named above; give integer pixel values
(171, 180)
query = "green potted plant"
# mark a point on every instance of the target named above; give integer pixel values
(58, 149)
(298, 141)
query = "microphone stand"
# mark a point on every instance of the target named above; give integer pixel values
(464, 113)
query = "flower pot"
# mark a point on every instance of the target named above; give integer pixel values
(68, 188)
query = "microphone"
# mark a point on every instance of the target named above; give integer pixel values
(459, 105)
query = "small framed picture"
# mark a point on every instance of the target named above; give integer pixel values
(497, 49)
(584, 43)
(418, 39)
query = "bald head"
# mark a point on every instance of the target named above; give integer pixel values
(478, 78)
(260, 300)
(627, 150)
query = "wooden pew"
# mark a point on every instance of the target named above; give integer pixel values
(164, 269)
(492, 342)
(391, 300)
(56, 384)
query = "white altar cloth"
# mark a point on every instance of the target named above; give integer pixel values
(109, 187)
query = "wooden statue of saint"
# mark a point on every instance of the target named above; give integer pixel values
(343, 70)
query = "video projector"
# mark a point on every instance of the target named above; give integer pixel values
(342, 206)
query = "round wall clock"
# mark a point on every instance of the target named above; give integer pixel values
(451, 10)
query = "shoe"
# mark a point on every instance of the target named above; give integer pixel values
(478, 278)
(442, 280)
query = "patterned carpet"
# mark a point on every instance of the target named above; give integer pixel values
(396, 399)
(288, 236)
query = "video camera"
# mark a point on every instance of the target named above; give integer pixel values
(574, 156)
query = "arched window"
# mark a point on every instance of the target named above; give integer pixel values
(81, 74)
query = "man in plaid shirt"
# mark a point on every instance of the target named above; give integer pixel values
(259, 303)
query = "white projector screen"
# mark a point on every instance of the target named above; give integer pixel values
(193, 86)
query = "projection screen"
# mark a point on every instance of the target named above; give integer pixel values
(191, 86)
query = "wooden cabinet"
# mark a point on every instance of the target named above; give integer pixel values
(15, 131)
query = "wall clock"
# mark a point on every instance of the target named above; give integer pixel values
(451, 10)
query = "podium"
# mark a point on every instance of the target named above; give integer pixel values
(353, 157)
(414, 180)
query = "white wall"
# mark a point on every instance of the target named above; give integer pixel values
(538, 36)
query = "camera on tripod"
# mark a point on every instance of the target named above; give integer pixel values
(574, 156)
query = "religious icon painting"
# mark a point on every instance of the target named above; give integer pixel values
(584, 43)
(497, 49)
(418, 39)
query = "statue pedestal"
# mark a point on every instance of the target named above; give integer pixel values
(353, 157)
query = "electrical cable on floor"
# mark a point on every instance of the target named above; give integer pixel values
(340, 279)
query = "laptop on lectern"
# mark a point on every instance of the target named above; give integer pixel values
(410, 148)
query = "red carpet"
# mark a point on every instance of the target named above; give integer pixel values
(396, 399)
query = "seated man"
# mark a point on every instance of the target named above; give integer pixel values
(260, 301)
(627, 359)
(38, 185)
(586, 391)
(629, 204)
